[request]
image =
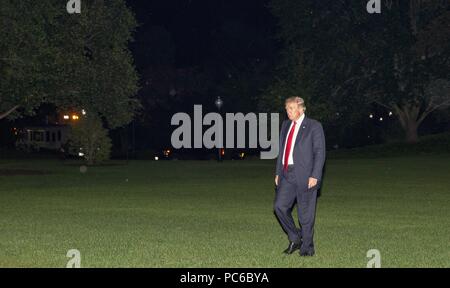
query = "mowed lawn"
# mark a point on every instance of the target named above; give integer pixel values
(209, 214)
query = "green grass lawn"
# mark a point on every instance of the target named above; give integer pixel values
(209, 214)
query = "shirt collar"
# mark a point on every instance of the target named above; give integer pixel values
(300, 120)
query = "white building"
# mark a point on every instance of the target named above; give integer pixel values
(49, 137)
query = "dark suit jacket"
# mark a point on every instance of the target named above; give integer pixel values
(308, 153)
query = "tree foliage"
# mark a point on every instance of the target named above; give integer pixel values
(89, 137)
(344, 59)
(76, 61)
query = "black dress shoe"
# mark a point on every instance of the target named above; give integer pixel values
(306, 253)
(292, 247)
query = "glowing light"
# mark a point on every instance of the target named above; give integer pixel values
(218, 102)
(75, 117)
(83, 112)
(371, 116)
(81, 154)
(156, 158)
(66, 117)
(381, 118)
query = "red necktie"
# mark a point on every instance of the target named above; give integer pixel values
(288, 147)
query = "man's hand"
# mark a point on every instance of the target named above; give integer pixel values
(276, 180)
(312, 182)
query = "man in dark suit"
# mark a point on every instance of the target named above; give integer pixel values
(298, 175)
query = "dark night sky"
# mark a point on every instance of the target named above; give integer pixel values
(196, 28)
(192, 23)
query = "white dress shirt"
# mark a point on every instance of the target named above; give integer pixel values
(297, 127)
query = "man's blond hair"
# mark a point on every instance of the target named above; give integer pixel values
(295, 99)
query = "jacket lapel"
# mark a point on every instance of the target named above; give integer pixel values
(301, 130)
(284, 133)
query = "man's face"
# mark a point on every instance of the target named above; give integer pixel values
(293, 110)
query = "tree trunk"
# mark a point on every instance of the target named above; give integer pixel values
(411, 132)
(90, 161)
(408, 116)
(123, 136)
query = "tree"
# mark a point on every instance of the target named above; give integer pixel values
(413, 82)
(24, 55)
(321, 55)
(352, 59)
(78, 61)
(89, 137)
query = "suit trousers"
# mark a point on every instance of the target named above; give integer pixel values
(288, 193)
